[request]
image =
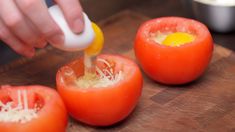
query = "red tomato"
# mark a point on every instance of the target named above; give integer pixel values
(51, 112)
(178, 64)
(101, 106)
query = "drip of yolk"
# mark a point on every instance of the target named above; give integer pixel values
(97, 44)
(178, 38)
(91, 78)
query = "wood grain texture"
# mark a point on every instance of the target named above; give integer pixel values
(207, 104)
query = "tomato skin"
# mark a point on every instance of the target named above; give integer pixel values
(102, 106)
(173, 65)
(51, 118)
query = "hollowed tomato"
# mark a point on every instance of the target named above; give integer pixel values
(173, 64)
(31, 109)
(103, 104)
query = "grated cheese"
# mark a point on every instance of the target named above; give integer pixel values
(159, 37)
(20, 113)
(99, 78)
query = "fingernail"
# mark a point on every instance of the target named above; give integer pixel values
(57, 39)
(78, 26)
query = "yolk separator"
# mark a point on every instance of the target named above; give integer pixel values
(72, 41)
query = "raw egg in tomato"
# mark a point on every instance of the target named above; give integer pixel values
(173, 50)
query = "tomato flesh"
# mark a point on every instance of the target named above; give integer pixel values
(101, 106)
(51, 114)
(173, 64)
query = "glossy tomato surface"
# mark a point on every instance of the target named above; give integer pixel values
(51, 115)
(173, 64)
(101, 106)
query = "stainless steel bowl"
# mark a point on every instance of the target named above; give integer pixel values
(220, 18)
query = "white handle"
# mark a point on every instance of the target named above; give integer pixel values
(73, 42)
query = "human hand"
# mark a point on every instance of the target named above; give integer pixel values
(27, 24)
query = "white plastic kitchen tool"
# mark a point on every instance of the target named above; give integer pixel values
(72, 41)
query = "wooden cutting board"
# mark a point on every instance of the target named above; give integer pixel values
(207, 104)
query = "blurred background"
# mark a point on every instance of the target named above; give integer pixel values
(210, 15)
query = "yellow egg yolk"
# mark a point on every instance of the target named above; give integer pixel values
(178, 38)
(97, 44)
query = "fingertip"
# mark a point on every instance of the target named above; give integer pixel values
(73, 13)
(29, 53)
(41, 44)
(78, 25)
(57, 39)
